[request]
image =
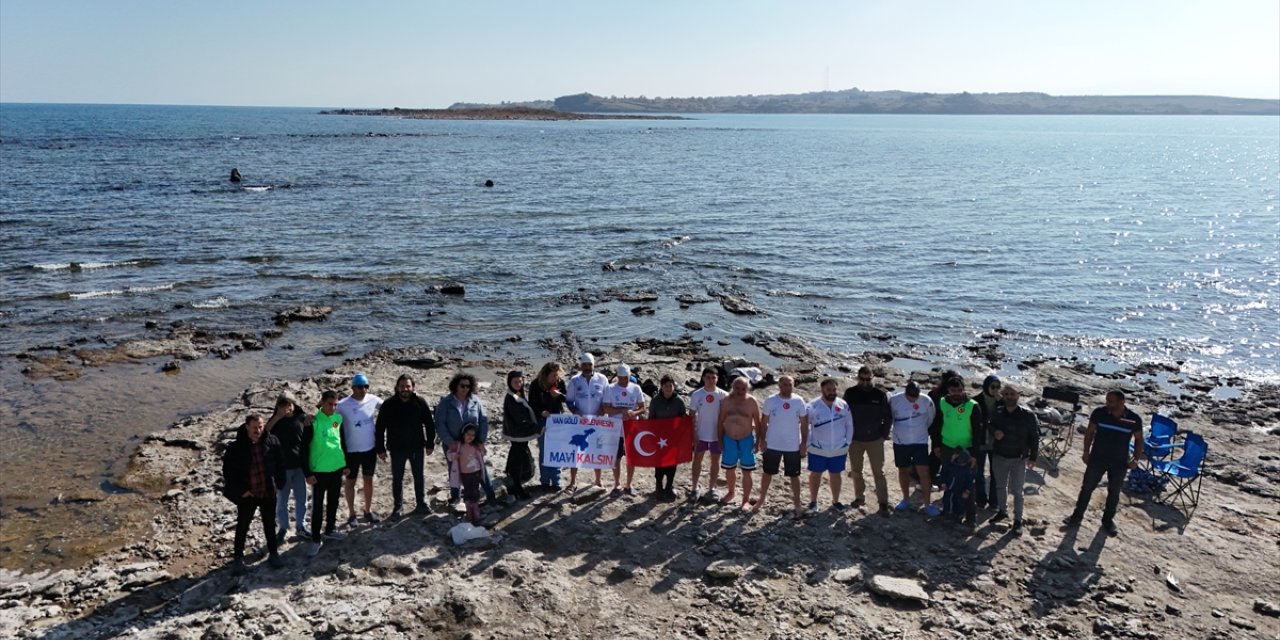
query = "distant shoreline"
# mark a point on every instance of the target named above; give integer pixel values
(494, 113)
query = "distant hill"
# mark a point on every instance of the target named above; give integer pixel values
(858, 101)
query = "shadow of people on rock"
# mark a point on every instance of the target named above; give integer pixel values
(1063, 576)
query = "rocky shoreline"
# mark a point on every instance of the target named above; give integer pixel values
(584, 565)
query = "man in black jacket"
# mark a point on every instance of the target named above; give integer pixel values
(406, 428)
(1015, 445)
(872, 421)
(251, 471)
(287, 425)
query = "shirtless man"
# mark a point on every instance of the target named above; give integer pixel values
(737, 428)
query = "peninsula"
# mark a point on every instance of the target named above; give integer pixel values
(904, 102)
(493, 113)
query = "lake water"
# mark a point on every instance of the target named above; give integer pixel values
(1153, 238)
(1126, 238)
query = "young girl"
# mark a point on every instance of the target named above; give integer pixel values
(467, 471)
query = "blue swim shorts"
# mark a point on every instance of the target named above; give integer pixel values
(739, 453)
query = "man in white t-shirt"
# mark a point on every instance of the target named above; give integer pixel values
(912, 415)
(625, 400)
(705, 405)
(830, 434)
(584, 397)
(359, 416)
(785, 424)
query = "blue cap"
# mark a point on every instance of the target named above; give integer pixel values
(359, 381)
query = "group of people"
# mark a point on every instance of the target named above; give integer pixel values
(976, 450)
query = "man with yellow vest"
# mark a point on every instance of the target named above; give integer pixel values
(958, 424)
(324, 460)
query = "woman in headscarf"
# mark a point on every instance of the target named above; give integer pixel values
(520, 426)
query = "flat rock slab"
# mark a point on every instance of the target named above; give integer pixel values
(725, 570)
(848, 575)
(901, 588)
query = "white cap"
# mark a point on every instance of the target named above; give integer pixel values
(587, 358)
(624, 371)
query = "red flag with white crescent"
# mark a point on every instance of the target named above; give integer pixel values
(665, 442)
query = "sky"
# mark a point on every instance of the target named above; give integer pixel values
(432, 54)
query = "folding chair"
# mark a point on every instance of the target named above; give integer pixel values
(1055, 439)
(1184, 474)
(1158, 445)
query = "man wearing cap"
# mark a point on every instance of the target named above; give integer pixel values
(584, 397)
(1106, 452)
(984, 484)
(958, 424)
(705, 404)
(359, 429)
(912, 415)
(872, 421)
(1015, 441)
(406, 428)
(288, 424)
(625, 400)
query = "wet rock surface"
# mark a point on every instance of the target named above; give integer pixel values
(586, 564)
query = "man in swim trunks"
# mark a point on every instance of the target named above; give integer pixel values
(830, 432)
(705, 405)
(786, 433)
(737, 428)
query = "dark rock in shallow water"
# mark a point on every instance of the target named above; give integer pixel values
(305, 312)
(235, 175)
(643, 310)
(734, 301)
(336, 350)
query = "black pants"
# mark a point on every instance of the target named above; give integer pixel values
(1114, 470)
(984, 484)
(415, 458)
(520, 465)
(665, 473)
(324, 502)
(245, 509)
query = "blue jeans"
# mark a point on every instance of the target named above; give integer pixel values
(296, 481)
(547, 476)
(414, 459)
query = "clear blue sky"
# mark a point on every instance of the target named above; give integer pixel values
(431, 54)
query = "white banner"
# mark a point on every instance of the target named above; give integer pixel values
(581, 441)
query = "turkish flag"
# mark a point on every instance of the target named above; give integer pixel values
(665, 442)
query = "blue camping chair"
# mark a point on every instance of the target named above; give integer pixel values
(1184, 474)
(1159, 444)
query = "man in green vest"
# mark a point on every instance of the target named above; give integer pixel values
(324, 460)
(957, 425)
